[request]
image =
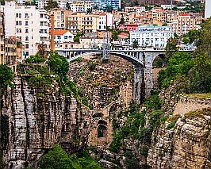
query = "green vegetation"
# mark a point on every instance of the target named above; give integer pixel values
(6, 77)
(57, 158)
(179, 65)
(91, 66)
(135, 44)
(77, 37)
(51, 4)
(44, 76)
(134, 126)
(171, 47)
(173, 121)
(193, 71)
(199, 95)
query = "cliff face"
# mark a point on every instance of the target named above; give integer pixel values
(32, 122)
(187, 143)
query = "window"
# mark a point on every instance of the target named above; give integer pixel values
(19, 15)
(58, 37)
(65, 37)
(26, 23)
(27, 46)
(26, 38)
(16, 15)
(16, 22)
(26, 30)
(27, 53)
(26, 15)
(20, 22)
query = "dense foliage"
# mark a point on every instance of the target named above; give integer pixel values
(193, 69)
(135, 128)
(6, 76)
(44, 74)
(57, 158)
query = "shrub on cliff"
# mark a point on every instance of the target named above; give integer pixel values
(6, 76)
(57, 158)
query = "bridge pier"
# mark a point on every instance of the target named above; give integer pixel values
(148, 60)
(138, 84)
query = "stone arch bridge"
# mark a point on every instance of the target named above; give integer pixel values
(141, 59)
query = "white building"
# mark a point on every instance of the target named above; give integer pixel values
(28, 24)
(105, 20)
(61, 36)
(80, 5)
(208, 8)
(43, 3)
(151, 36)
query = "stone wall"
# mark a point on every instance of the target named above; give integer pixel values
(123, 101)
(35, 122)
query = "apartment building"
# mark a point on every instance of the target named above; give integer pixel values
(80, 6)
(13, 52)
(82, 22)
(183, 24)
(105, 21)
(136, 9)
(151, 36)
(28, 24)
(43, 3)
(60, 18)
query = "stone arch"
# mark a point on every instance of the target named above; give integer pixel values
(102, 129)
(159, 61)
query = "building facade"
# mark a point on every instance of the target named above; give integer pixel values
(207, 8)
(184, 23)
(83, 22)
(151, 36)
(28, 24)
(60, 18)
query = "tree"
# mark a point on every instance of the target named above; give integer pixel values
(122, 20)
(51, 4)
(115, 34)
(77, 37)
(171, 47)
(56, 158)
(204, 42)
(135, 44)
(96, 7)
(58, 64)
(89, 10)
(164, 24)
(6, 78)
(68, 6)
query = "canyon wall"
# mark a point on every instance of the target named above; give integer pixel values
(187, 144)
(33, 122)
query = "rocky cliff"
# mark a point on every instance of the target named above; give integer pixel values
(32, 122)
(184, 140)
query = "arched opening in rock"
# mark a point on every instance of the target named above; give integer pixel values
(101, 131)
(102, 122)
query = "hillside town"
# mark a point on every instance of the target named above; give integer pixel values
(29, 25)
